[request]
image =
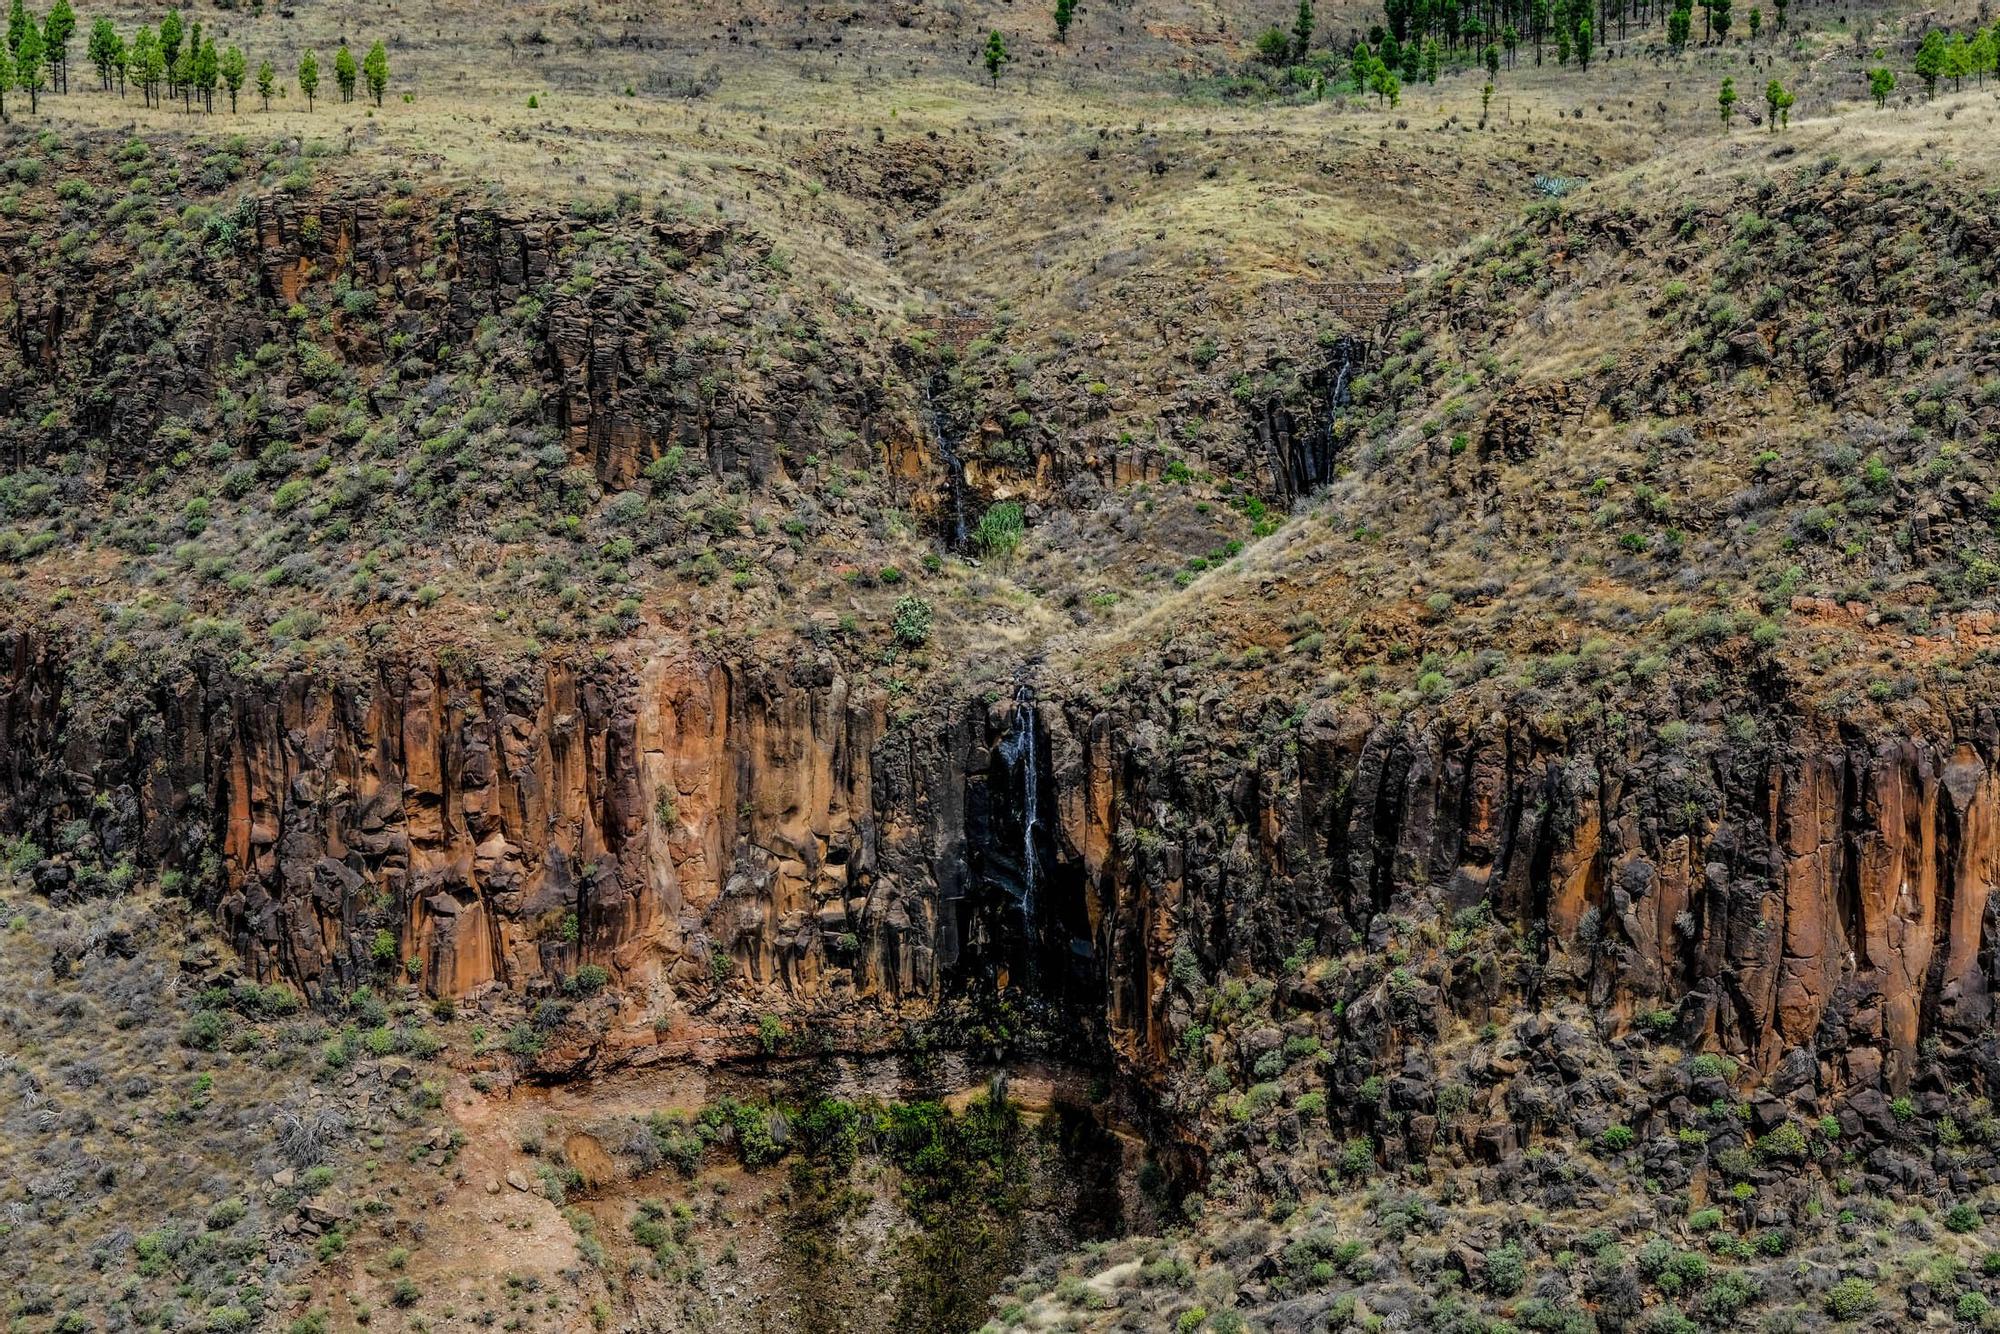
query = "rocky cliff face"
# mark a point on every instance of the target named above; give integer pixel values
(406, 281)
(1824, 906)
(718, 836)
(696, 829)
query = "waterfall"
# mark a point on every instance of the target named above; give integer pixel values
(1338, 397)
(954, 467)
(1018, 748)
(1339, 370)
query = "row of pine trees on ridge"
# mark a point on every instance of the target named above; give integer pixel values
(173, 61)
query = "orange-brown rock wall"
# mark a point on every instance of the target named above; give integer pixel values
(713, 832)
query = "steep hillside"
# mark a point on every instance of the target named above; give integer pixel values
(1604, 712)
(783, 690)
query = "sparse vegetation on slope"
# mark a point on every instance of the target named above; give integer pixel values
(1392, 607)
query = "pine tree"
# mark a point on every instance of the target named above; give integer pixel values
(995, 55)
(1756, 22)
(309, 77)
(102, 51)
(1065, 15)
(1583, 43)
(57, 31)
(1510, 38)
(1485, 102)
(6, 79)
(233, 67)
(1726, 100)
(1302, 30)
(171, 33)
(30, 68)
(1718, 15)
(1881, 82)
(1680, 25)
(183, 77)
(1930, 61)
(1781, 6)
(1433, 60)
(1538, 11)
(344, 71)
(156, 71)
(140, 57)
(1774, 93)
(375, 69)
(1493, 60)
(207, 68)
(1983, 52)
(267, 83)
(1388, 88)
(17, 26)
(1957, 61)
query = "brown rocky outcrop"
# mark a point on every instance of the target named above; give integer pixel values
(1835, 899)
(661, 811)
(630, 357)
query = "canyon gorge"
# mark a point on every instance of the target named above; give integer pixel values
(902, 711)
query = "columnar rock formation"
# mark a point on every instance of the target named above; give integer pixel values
(624, 384)
(706, 830)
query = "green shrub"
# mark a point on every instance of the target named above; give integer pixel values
(1851, 1298)
(1708, 1065)
(1786, 1142)
(1616, 1139)
(1723, 1299)
(1961, 1218)
(1688, 1267)
(1506, 1270)
(1000, 529)
(206, 1031)
(911, 621)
